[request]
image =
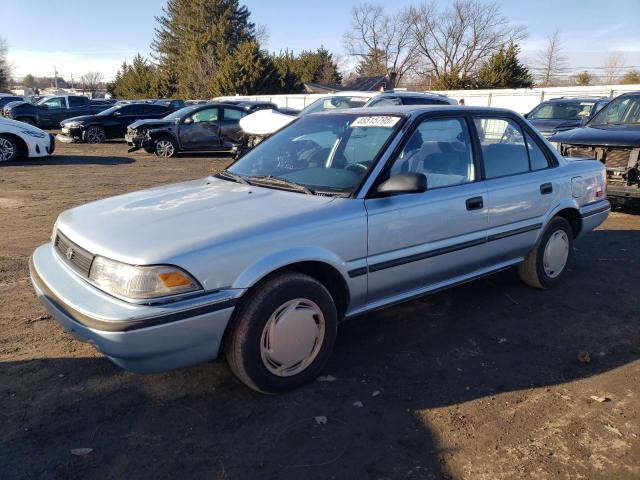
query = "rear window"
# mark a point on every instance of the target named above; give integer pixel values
(77, 101)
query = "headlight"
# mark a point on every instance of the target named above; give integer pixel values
(139, 283)
(34, 133)
(72, 125)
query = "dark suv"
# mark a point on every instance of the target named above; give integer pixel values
(559, 114)
(613, 137)
(212, 127)
(401, 97)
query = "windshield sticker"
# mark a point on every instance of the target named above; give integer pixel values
(375, 121)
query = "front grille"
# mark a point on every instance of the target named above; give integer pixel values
(618, 157)
(578, 151)
(73, 255)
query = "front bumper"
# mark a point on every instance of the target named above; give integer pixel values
(136, 142)
(140, 338)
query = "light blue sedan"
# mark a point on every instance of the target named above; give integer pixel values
(335, 215)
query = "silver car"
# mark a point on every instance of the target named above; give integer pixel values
(337, 214)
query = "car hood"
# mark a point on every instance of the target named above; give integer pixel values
(152, 123)
(82, 118)
(17, 104)
(17, 124)
(158, 224)
(610, 135)
(265, 122)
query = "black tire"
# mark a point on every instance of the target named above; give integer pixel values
(94, 134)
(532, 271)
(9, 149)
(165, 147)
(244, 336)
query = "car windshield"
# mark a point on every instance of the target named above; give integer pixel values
(622, 110)
(337, 102)
(180, 113)
(42, 100)
(329, 152)
(109, 111)
(561, 111)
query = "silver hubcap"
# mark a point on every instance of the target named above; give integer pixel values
(292, 337)
(6, 150)
(164, 148)
(95, 135)
(556, 253)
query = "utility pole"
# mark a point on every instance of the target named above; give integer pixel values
(55, 77)
(72, 81)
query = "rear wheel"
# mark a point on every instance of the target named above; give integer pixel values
(95, 134)
(546, 264)
(282, 334)
(165, 147)
(9, 149)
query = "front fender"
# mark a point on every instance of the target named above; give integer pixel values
(277, 260)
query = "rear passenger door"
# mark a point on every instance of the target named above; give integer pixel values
(520, 188)
(230, 126)
(421, 239)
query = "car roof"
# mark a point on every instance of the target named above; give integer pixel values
(417, 109)
(573, 99)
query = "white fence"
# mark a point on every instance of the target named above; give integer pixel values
(521, 100)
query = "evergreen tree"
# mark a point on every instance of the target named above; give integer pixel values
(372, 65)
(318, 67)
(286, 65)
(194, 39)
(504, 70)
(249, 72)
(135, 81)
(583, 79)
(453, 81)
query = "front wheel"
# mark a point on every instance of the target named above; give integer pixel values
(282, 333)
(165, 147)
(546, 264)
(95, 135)
(9, 149)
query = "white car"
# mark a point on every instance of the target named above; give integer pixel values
(19, 139)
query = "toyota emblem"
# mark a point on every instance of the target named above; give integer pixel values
(69, 253)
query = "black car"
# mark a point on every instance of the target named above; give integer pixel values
(559, 114)
(613, 137)
(4, 100)
(210, 127)
(108, 124)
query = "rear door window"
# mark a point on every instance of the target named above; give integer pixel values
(231, 115)
(76, 102)
(503, 147)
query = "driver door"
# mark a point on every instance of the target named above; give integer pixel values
(420, 239)
(201, 131)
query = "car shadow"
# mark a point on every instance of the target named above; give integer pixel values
(472, 342)
(69, 160)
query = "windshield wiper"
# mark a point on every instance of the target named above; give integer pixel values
(232, 176)
(279, 181)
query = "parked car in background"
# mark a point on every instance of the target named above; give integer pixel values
(109, 124)
(559, 114)
(338, 214)
(401, 97)
(6, 99)
(171, 104)
(20, 140)
(211, 127)
(248, 106)
(49, 111)
(613, 137)
(261, 125)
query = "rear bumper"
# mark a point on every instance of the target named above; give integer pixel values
(623, 194)
(593, 215)
(140, 338)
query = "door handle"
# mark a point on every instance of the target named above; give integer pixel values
(546, 188)
(475, 203)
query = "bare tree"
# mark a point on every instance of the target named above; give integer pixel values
(380, 41)
(613, 66)
(457, 39)
(91, 80)
(5, 68)
(550, 61)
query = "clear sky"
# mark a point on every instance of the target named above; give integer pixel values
(77, 36)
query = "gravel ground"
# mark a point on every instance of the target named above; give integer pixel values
(479, 382)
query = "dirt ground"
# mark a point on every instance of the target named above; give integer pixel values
(479, 382)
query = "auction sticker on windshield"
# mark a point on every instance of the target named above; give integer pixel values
(375, 121)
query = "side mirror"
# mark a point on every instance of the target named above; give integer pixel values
(526, 115)
(404, 183)
(188, 121)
